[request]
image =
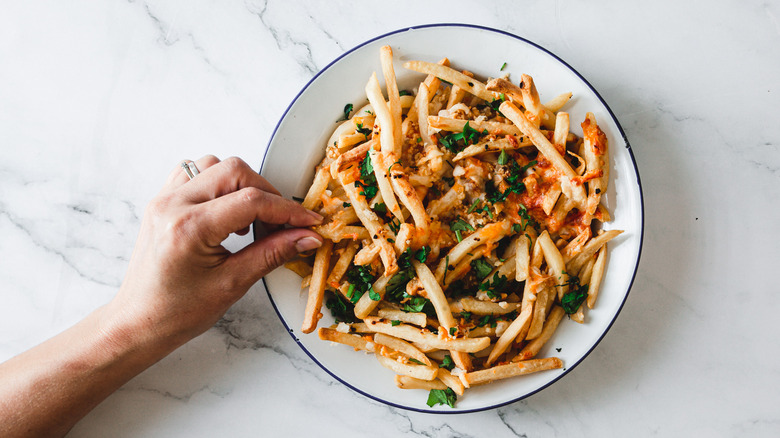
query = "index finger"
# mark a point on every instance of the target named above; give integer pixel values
(237, 210)
(228, 176)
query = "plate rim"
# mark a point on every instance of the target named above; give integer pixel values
(641, 230)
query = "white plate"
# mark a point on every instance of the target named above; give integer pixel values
(298, 144)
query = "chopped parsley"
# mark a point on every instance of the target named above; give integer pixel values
(465, 315)
(494, 286)
(362, 130)
(347, 110)
(341, 309)
(404, 93)
(527, 219)
(422, 254)
(572, 300)
(395, 322)
(496, 103)
(367, 181)
(482, 268)
(503, 157)
(396, 286)
(413, 360)
(514, 181)
(442, 397)
(460, 225)
(487, 320)
(468, 136)
(446, 268)
(346, 204)
(360, 281)
(395, 225)
(503, 66)
(447, 363)
(379, 208)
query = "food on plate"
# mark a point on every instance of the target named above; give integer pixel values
(463, 222)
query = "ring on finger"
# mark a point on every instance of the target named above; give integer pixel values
(190, 168)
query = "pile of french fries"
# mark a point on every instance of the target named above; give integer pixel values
(462, 223)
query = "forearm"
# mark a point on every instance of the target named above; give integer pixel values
(46, 390)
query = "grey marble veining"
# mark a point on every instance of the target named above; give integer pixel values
(100, 101)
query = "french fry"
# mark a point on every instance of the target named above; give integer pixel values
(556, 103)
(402, 347)
(435, 294)
(299, 267)
(554, 262)
(365, 304)
(522, 258)
(533, 347)
(369, 219)
(451, 381)
(341, 232)
(318, 186)
(383, 115)
(511, 370)
(416, 318)
(479, 307)
(590, 248)
(385, 187)
(407, 382)
(355, 341)
(457, 125)
(518, 326)
(596, 275)
(453, 76)
(394, 104)
(317, 287)
(596, 154)
(421, 372)
(415, 334)
(342, 264)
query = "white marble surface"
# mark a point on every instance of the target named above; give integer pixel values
(99, 100)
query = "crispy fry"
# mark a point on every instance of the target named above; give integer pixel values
(407, 382)
(317, 287)
(354, 341)
(511, 370)
(533, 347)
(415, 334)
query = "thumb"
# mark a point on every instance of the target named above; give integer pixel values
(272, 251)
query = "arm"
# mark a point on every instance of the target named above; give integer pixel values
(179, 282)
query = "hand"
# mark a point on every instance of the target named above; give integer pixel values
(181, 280)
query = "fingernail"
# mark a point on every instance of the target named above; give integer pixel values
(316, 216)
(307, 243)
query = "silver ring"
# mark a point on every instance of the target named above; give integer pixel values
(190, 169)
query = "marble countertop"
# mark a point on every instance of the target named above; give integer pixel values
(99, 100)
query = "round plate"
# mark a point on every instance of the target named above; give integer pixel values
(298, 144)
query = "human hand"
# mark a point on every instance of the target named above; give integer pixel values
(180, 279)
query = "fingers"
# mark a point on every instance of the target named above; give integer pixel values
(237, 210)
(226, 177)
(178, 177)
(270, 252)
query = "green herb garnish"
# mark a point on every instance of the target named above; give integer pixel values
(460, 225)
(442, 397)
(347, 110)
(362, 130)
(482, 268)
